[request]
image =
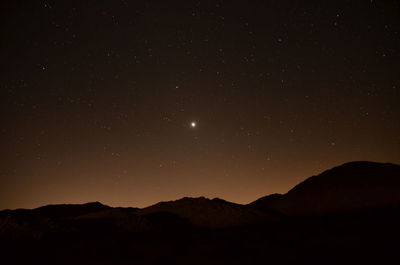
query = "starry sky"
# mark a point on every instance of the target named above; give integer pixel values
(98, 97)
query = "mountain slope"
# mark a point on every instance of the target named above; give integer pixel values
(293, 228)
(353, 186)
(210, 213)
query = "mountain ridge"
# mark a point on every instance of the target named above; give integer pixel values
(310, 223)
(349, 185)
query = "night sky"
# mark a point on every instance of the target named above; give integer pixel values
(98, 97)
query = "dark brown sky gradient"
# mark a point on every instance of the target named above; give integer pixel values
(97, 97)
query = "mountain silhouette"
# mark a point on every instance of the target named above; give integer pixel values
(211, 213)
(354, 186)
(70, 210)
(346, 215)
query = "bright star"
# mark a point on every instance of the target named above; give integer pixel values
(193, 124)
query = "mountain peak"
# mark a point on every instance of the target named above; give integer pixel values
(70, 210)
(352, 186)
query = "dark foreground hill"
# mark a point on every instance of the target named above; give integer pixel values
(351, 187)
(347, 215)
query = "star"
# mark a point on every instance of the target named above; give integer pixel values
(193, 124)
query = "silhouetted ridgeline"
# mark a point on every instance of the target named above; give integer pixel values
(346, 215)
(354, 186)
